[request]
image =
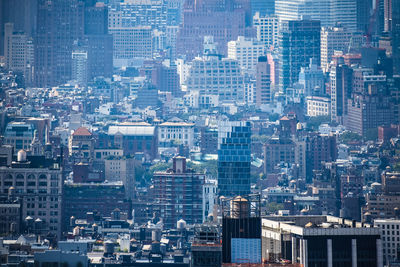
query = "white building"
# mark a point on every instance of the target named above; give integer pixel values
(121, 169)
(246, 51)
(390, 234)
(333, 39)
(209, 197)
(211, 75)
(318, 106)
(176, 130)
(267, 29)
(80, 67)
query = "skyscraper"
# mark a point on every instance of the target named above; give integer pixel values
(329, 12)
(263, 93)
(340, 77)
(224, 20)
(59, 24)
(234, 158)
(299, 42)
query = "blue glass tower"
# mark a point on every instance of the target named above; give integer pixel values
(234, 158)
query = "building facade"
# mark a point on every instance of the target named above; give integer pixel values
(234, 158)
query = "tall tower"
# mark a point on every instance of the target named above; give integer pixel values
(263, 82)
(234, 158)
(299, 42)
(59, 24)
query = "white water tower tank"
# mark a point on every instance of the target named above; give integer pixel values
(181, 224)
(21, 156)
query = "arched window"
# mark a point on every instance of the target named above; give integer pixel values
(31, 177)
(20, 176)
(42, 177)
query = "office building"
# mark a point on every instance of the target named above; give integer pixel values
(18, 52)
(80, 67)
(98, 41)
(59, 24)
(121, 169)
(341, 86)
(321, 241)
(211, 75)
(299, 42)
(81, 144)
(329, 12)
(21, 13)
(267, 28)
(241, 230)
(131, 45)
(81, 199)
(234, 158)
(333, 39)
(318, 106)
(312, 79)
(178, 194)
(246, 51)
(390, 235)
(206, 247)
(382, 200)
(133, 138)
(263, 7)
(37, 182)
(139, 13)
(263, 94)
(367, 111)
(224, 20)
(176, 130)
(19, 135)
(278, 150)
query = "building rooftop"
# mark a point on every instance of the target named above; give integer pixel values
(131, 130)
(82, 131)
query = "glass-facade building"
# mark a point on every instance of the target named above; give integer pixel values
(234, 158)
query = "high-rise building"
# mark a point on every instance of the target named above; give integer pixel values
(178, 194)
(267, 28)
(263, 94)
(333, 39)
(234, 158)
(246, 51)
(390, 238)
(299, 42)
(80, 67)
(37, 181)
(59, 24)
(21, 13)
(241, 230)
(224, 20)
(395, 30)
(212, 76)
(364, 9)
(367, 111)
(131, 45)
(98, 41)
(18, 52)
(329, 12)
(312, 79)
(263, 7)
(341, 86)
(307, 240)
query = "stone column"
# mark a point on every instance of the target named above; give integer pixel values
(379, 255)
(294, 249)
(329, 248)
(354, 252)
